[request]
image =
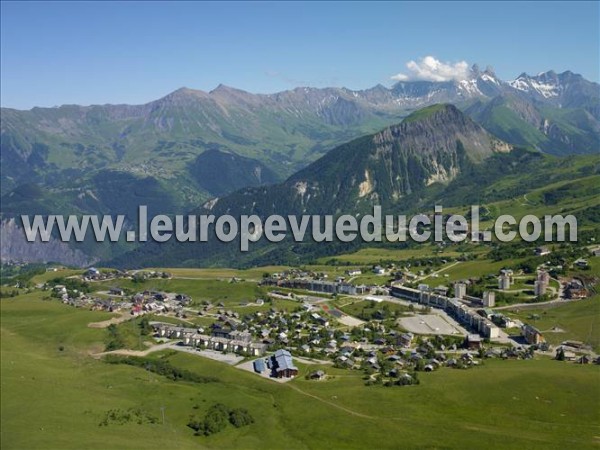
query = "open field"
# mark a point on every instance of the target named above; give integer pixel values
(215, 291)
(51, 274)
(469, 269)
(254, 274)
(55, 399)
(579, 320)
(376, 255)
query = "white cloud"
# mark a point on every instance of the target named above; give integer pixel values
(431, 69)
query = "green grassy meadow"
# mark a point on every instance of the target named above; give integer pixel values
(578, 320)
(55, 399)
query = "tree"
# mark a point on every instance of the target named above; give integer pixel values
(240, 417)
(216, 419)
(145, 328)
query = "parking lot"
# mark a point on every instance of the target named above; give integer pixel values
(227, 358)
(431, 324)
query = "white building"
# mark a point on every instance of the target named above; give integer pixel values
(489, 299)
(460, 290)
(504, 282)
(539, 288)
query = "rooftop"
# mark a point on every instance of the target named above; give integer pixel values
(284, 361)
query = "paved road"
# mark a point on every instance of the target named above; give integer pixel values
(556, 302)
(437, 272)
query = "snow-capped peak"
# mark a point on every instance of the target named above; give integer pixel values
(470, 86)
(540, 84)
(490, 78)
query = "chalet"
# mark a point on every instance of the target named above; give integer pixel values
(542, 251)
(467, 358)
(317, 375)
(283, 365)
(405, 339)
(378, 270)
(584, 360)
(574, 344)
(183, 299)
(92, 273)
(569, 356)
(388, 350)
(60, 289)
(473, 341)
(576, 290)
(532, 335)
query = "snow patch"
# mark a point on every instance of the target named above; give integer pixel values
(470, 86)
(301, 187)
(366, 187)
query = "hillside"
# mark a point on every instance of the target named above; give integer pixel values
(284, 131)
(437, 155)
(432, 145)
(520, 182)
(521, 121)
(187, 148)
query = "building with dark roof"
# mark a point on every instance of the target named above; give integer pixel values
(283, 365)
(259, 366)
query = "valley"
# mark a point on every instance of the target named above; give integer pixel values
(300, 225)
(57, 344)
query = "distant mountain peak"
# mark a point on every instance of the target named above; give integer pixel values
(438, 110)
(182, 95)
(222, 88)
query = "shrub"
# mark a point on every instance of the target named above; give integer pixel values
(240, 417)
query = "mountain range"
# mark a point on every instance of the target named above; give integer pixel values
(190, 146)
(436, 155)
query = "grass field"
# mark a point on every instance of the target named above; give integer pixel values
(470, 269)
(215, 291)
(254, 274)
(377, 255)
(579, 320)
(55, 399)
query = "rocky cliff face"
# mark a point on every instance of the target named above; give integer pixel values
(430, 146)
(16, 248)
(433, 145)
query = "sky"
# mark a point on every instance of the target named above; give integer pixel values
(55, 53)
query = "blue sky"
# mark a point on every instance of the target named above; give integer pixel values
(94, 53)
